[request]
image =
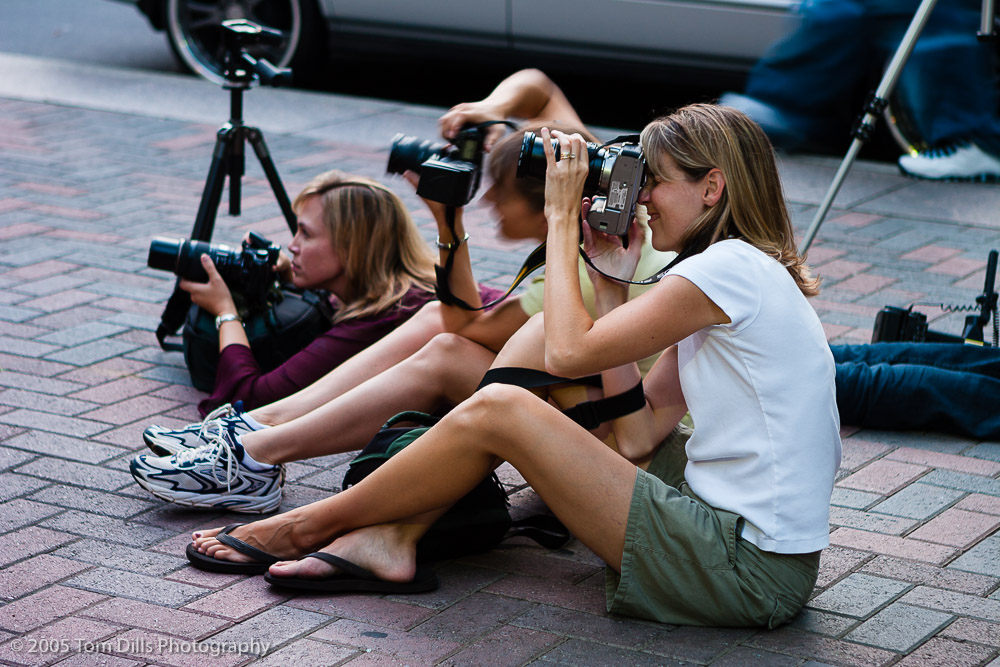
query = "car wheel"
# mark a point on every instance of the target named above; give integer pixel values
(195, 34)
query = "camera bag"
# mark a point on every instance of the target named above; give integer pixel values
(292, 320)
(476, 523)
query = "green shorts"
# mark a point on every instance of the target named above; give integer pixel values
(685, 562)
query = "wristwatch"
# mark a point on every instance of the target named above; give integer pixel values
(226, 317)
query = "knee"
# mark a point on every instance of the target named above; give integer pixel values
(497, 407)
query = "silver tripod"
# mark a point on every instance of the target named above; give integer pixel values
(879, 100)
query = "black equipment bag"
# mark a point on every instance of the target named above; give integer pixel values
(293, 319)
(476, 523)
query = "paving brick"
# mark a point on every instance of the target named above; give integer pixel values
(155, 617)
(891, 545)
(239, 601)
(29, 369)
(55, 423)
(579, 652)
(28, 542)
(13, 485)
(273, 627)
(594, 627)
(61, 300)
(56, 641)
(476, 615)
(19, 513)
(956, 480)
(44, 607)
(33, 383)
(588, 596)
(920, 573)
(11, 457)
(110, 529)
(119, 389)
(983, 558)
(94, 658)
(978, 502)
(30, 575)
(369, 609)
(985, 450)
(883, 477)
(859, 595)
(954, 603)
(56, 404)
(402, 645)
(308, 652)
(162, 649)
(16, 346)
(73, 472)
(119, 583)
(957, 528)
(822, 623)
(947, 461)
(946, 653)
(743, 656)
(822, 649)
(971, 630)
(81, 333)
(858, 500)
(88, 353)
(64, 447)
(890, 525)
(918, 501)
(698, 645)
(108, 504)
(129, 410)
(899, 627)
(104, 371)
(121, 557)
(506, 645)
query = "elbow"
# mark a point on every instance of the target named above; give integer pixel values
(561, 361)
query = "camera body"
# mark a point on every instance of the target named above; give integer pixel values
(449, 173)
(615, 176)
(894, 324)
(247, 271)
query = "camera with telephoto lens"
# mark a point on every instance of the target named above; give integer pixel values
(247, 271)
(449, 173)
(616, 174)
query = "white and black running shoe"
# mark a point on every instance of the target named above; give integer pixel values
(964, 162)
(211, 477)
(165, 441)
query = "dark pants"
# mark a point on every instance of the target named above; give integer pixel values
(920, 386)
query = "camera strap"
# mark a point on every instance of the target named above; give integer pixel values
(174, 314)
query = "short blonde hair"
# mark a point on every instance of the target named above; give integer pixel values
(382, 251)
(701, 137)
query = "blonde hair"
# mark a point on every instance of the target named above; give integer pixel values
(701, 137)
(381, 249)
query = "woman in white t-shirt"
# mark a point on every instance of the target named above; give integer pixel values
(723, 528)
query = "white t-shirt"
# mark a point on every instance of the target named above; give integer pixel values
(760, 390)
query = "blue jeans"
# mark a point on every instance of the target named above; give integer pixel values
(945, 387)
(948, 83)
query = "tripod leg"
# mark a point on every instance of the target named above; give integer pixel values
(236, 167)
(863, 131)
(204, 222)
(260, 148)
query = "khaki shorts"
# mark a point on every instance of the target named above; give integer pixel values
(685, 562)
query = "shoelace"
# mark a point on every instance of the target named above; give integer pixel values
(943, 151)
(211, 453)
(214, 420)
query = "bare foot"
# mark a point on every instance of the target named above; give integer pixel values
(386, 550)
(275, 535)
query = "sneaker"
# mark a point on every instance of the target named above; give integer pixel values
(965, 162)
(166, 442)
(211, 477)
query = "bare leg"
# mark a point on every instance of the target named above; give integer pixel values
(446, 369)
(588, 486)
(385, 353)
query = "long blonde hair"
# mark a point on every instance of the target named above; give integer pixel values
(701, 137)
(382, 251)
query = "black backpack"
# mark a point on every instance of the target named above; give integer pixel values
(476, 523)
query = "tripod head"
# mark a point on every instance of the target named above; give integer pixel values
(239, 68)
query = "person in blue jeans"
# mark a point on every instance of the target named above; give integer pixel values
(920, 386)
(804, 90)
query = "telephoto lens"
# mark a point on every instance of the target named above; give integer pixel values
(183, 256)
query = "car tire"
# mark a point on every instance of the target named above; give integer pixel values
(195, 36)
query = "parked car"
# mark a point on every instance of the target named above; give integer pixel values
(721, 35)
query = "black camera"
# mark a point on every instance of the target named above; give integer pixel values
(247, 271)
(616, 175)
(449, 173)
(894, 324)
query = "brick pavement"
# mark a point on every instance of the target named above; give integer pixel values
(92, 567)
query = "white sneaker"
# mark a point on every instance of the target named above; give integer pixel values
(965, 162)
(211, 477)
(165, 441)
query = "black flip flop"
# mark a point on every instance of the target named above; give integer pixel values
(355, 579)
(210, 564)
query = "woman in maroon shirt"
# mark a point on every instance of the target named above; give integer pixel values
(356, 240)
